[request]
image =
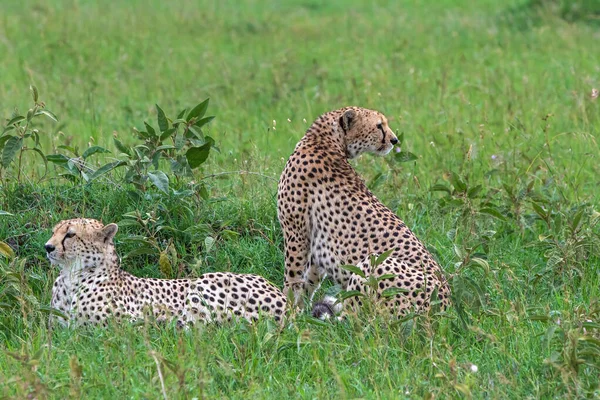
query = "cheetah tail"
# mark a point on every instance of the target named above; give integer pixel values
(327, 308)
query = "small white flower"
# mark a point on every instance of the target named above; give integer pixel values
(595, 93)
(304, 120)
(474, 368)
(274, 123)
(432, 144)
(289, 120)
(494, 156)
(397, 149)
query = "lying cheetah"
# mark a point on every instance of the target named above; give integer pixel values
(92, 287)
(330, 219)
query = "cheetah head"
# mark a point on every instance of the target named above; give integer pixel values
(366, 131)
(79, 242)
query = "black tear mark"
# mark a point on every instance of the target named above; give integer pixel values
(62, 243)
(380, 127)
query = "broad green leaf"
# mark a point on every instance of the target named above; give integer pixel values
(457, 182)
(193, 132)
(343, 295)
(69, 148)
(203, 192)
(151, 131)
(3, 140)
(209, 241)
(164, 265)
(160, 180)
(385, 276)
(474, 191)
(493, 212)
(121, 147)
(539, 210)
(167, 133)
(482, 263)
(15, 120)
(58, 158)
(203, 121)
(196, 156)
(6, 250)
(198, 111)
(459, 251)
(228, 235)
(106, 168)
(94, 150)
(165, 147)
(354, 269)
(405, 156)
(11, 147)
(508, 189)
(163, 123)
(383, 257)
(47, 114)
(393, 291)
(210, 140)
(438, 187)
(181, 114)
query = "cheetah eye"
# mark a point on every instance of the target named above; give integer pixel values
(380, 126)
(69, 235)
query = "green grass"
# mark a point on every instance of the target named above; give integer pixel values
(496, 92)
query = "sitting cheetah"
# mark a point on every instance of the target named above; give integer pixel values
(330, 219)
(92, 287)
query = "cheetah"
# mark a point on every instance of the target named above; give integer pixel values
(330, 218)
(92, 288)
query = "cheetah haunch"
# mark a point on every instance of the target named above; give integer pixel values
(91, 287)
(330, 219)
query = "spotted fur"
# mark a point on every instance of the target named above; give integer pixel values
(92, 288)
(330, 218)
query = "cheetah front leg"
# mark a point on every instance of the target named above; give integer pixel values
(313, 278)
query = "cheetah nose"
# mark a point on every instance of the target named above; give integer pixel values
(49, 248)
(394, 140)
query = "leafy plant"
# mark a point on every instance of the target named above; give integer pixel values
(77, 167)
(569, 239)
(16, 292)
(21, 134)
(573, 342)
(372, 296)
(180, 142)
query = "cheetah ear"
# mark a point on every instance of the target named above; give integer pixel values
(348, 119)
(109, 232)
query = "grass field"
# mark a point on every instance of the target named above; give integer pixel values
(494, 98)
